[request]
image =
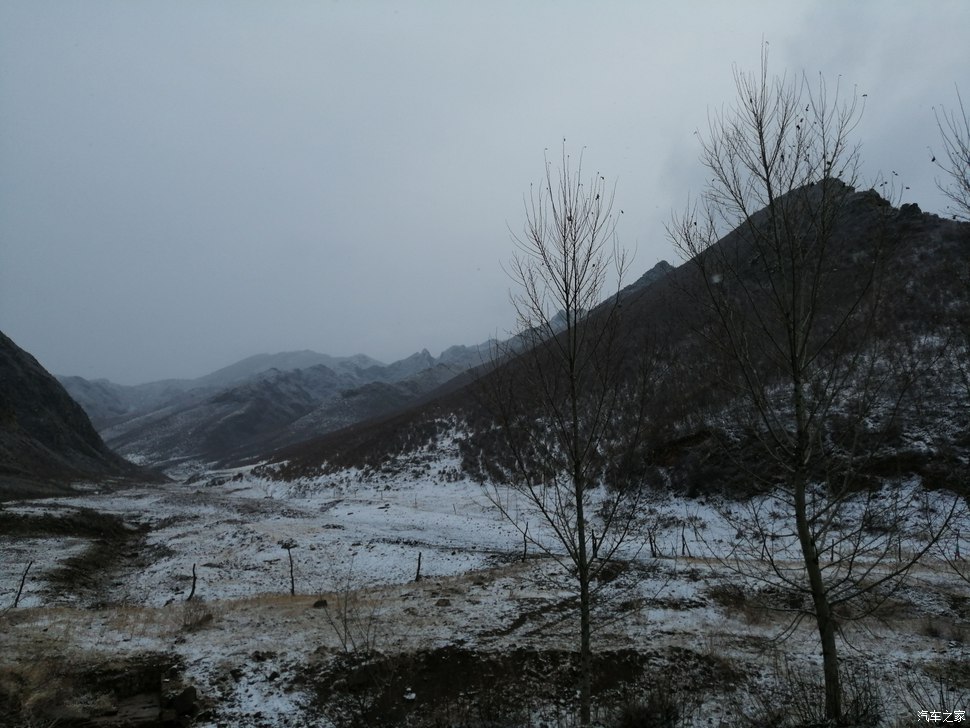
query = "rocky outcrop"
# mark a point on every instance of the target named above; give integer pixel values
(660, 270)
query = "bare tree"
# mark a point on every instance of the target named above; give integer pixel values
(792, 300)
(954, 129)
(568, 400)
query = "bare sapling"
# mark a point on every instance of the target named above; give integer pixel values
(567, 394)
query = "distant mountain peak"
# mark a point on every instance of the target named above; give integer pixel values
(283, 361)
(653, 275)
(661, 269)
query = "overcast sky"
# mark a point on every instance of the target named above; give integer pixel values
(184, 183)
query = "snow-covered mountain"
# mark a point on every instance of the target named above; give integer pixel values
(109, 404)
(259, 403)
(286, 361)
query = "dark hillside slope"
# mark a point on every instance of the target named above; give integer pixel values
(925, 289)
(46, 439)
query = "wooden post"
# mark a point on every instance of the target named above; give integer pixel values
(192, 591)
(23, 580)
(289, 544)
(417, 576)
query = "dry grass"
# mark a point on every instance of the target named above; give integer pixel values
(739, 603)
(31, 691)
(48, 691)
(195, 615)
(943, 628)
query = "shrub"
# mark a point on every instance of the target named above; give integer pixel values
(661, 706)
(799, 701)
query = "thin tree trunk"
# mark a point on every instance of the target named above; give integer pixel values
(582, 567)
(830, 667)
(585, 651)
(289, 552)
(809, 548)
(823, 611)
(585, 655)
(820, 600)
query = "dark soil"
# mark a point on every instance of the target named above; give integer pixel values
(81, 522)
(453, 686)
(139, 692)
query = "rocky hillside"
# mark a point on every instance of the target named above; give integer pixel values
(46, 439)
(924, 288)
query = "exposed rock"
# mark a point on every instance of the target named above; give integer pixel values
(653, 275)
(910, 210)
(185, 702)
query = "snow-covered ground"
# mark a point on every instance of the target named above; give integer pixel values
(247, 644)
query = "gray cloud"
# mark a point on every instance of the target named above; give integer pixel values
(185, 184)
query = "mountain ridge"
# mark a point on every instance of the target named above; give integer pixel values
(260, 403)
(266, 401)
(663, 318)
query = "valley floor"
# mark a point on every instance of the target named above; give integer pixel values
(485, 637)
